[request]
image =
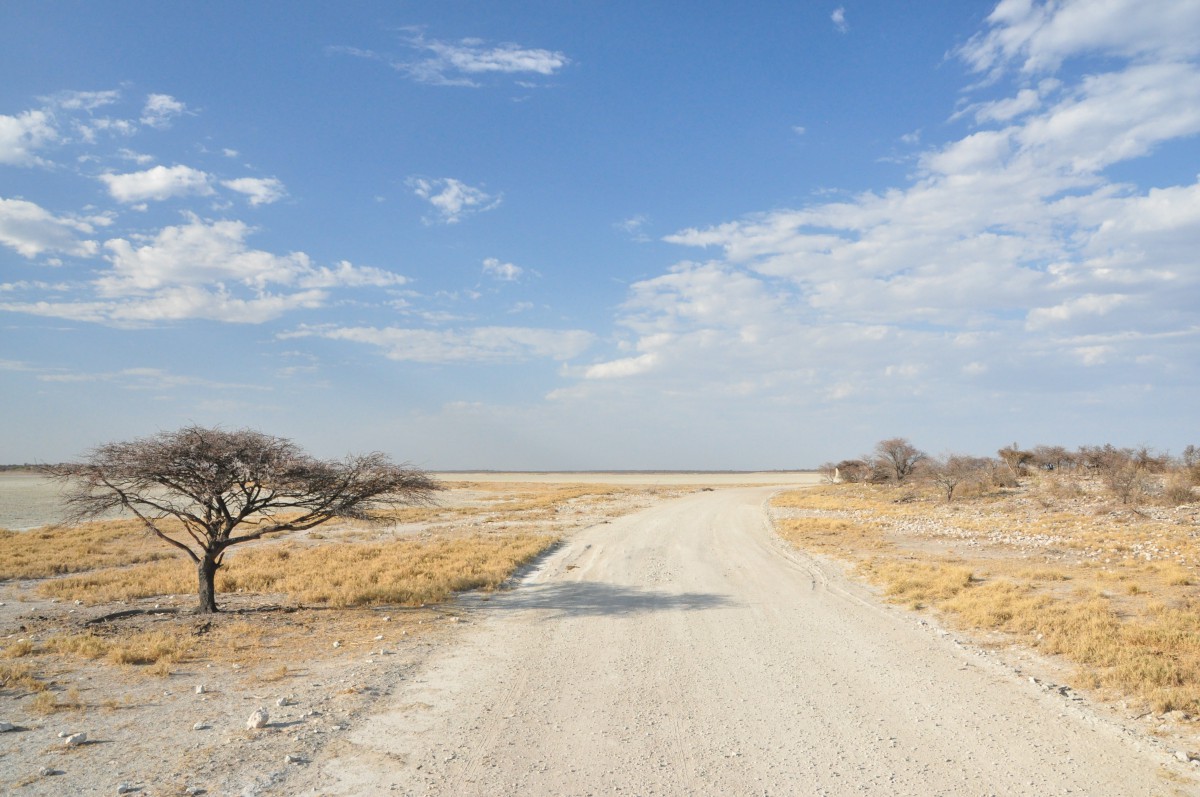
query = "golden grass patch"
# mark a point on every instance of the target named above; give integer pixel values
(52, 551)
(1050, 563)
(19, 677)
(405, 572)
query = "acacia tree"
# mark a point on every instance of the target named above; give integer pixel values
(225, 488)
(898, 457)
(952, 470)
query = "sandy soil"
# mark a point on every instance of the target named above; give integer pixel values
(680, 649)
(683, 650)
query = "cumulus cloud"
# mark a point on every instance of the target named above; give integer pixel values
(22, 135)
(505, 272)
(479, 344)
(31, 230)
(158, 183)
(1010, 255)
(204, 270)
(452, 199)
(259, 190)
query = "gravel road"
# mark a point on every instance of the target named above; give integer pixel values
(683, 650)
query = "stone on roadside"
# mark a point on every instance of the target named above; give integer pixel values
(75, 739)
(126, 788)
(200, 726)
(258, 719)
(5, 727)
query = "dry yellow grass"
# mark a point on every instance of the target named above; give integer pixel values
(53, 551)
(474, 542)
(1050, 564)
(404, 572)
(19, 677)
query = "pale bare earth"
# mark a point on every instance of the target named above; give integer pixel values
(683, 650)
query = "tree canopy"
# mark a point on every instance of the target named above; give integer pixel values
(230, 487)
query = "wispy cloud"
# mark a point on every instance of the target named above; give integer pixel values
(258, 190)
(452, 199)
(839, 19)
(484, 344)
(160, 110)
(505, 272)
(466, 61)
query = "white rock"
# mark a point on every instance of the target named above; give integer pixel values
(337, 644)
(1184, 756)
(200, 689)
(75, 739)
(258, 719)
(200, 726)
(46, 772)
(378, 637)
(284, 701)
(292, 759)
(126, 788)
(7, 726)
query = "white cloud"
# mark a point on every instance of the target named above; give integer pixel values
(158, 183)
(31, 230)
(22, 135)
(839, 20)
(1041, 35)
(160, 110)
(82, 100)
(453, 199)
(1010, 258)
(204, 270)
(505, 272)
(479, 344)
(259, 190)
(148, 379)
(626, 366)
(464, 62)
(215, 253)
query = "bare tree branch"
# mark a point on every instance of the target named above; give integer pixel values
(215, 483)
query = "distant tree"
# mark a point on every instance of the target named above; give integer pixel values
(1017, 460)
(1190, 456)
(898, 457)
(851, 471)
(1053, 458)
(230, 487)
(953, 470)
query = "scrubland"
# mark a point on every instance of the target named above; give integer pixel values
(1053, 560)
(96, 627)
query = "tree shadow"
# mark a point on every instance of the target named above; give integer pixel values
(592, 598)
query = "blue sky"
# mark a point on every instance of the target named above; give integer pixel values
(601, 234)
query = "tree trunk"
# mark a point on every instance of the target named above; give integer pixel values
(207, 571)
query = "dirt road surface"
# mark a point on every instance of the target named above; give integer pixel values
(684, 650)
